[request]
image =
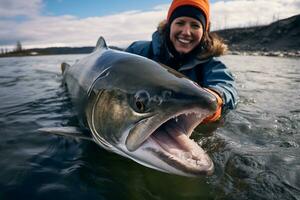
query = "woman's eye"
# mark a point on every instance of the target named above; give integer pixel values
(195, 26)
(179, 23)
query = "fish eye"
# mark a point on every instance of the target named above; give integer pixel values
(141, 101)
(140, 106)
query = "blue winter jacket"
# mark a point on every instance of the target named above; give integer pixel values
(210, 73)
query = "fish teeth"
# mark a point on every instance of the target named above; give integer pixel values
(198, 162)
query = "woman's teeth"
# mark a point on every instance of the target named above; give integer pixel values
(184, 41)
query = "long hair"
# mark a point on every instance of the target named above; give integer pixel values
(211, 44)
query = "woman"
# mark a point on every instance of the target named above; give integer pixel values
(184, 43)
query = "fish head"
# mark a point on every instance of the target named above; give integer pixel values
(147, 112)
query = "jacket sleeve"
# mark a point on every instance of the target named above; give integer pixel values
(141, 48)
(217, 76)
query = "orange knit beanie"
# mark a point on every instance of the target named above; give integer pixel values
(202, 5)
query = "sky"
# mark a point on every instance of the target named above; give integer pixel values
(76, 23)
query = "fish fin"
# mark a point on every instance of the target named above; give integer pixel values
(101, 44)
(64, 66)
(69, 131)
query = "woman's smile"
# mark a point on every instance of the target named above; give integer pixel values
(184, 41)
(185, 34)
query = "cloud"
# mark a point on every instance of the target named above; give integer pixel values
(123, 28)
(14, 8)
(119, 29)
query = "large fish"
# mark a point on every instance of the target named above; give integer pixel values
(139, 109)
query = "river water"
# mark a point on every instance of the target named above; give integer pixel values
(255, 149)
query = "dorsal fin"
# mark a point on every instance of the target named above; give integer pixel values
(64, 66)
(101, 44)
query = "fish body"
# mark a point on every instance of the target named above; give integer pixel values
(140, 109)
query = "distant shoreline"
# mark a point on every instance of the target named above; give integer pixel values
(279, 39)
(292, 53)
(52, 51)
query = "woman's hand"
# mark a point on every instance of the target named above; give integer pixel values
(217, 114)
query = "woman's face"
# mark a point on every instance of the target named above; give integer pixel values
(185, 34)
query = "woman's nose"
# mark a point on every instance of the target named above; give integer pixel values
(186, 30)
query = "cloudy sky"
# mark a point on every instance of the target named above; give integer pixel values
(44, 23)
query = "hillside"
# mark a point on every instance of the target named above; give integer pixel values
(282, 35)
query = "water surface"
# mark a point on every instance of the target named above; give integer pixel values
(255, 149)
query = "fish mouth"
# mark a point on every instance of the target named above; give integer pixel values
(170, 141)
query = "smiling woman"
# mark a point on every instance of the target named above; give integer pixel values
(183, 42)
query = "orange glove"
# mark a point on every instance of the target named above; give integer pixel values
(217, 114)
